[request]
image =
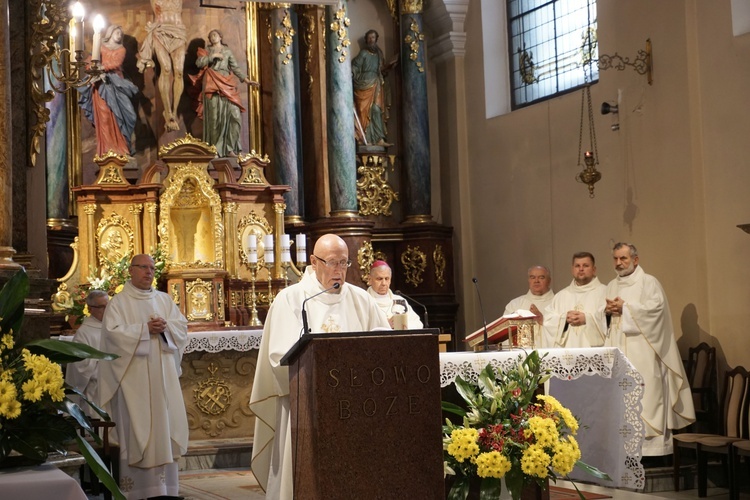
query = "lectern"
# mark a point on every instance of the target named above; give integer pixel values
(366, 415)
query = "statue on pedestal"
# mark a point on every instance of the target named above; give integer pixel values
(218, 102)
(107, 102)
(368, 77)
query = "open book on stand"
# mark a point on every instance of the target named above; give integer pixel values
(499, 330)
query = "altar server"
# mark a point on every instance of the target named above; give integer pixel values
(575, 318)
(141, 389)
(347, 308)
(641, 326)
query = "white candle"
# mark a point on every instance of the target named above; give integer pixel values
(301, 242)
(285, 241)
(252, 242)
(96, 52)
(268, 248)
(252, 256)
(77, 32)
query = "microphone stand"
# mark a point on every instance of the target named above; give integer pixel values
(426, 316)
(305, 326)
(484, 318)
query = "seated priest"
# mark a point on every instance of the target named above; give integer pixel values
(388, 302)
(333, 306)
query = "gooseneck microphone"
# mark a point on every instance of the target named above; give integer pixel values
(426, 317)
(481, 309)
(305, 327)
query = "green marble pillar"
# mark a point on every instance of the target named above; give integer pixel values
(342, 155)
(285, 138)
(416, 133)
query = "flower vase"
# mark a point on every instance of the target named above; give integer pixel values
(530, 491)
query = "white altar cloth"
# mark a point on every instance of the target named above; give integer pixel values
(224, 340)
(38, 483)
(607, 402)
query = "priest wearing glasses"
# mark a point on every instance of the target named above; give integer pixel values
(334, 306)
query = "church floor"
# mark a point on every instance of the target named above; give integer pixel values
(239, 484)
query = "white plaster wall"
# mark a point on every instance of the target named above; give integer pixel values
(675, 176)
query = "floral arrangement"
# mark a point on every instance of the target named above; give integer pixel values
(110, 278)
(36, 416)
(509, 433)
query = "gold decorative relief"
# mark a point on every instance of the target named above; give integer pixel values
(175, 292)
(220, 299)
(415, 263)
(110, 169)
(412, 7)
(49, 23)
(199, 300)
(340, 26)
(253, 166)
(365, 258)
(252, 223)
(285, 33)
(438, 257)
(188, 139)
(393, 9)
(114, 239)
(415, 39)
(213, 395)
(308, 23)
(374, 194)
(190, 222)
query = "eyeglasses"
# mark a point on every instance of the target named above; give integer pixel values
(342, 264)
(98, 307)
(145, 267)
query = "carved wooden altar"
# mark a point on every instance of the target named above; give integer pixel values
(199, 211)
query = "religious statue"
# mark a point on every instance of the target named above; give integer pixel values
(218, 103)
(167, 38)
(368, 76)
(107, 102)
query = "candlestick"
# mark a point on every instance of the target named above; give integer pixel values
(254, 320)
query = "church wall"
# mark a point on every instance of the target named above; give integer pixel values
(673, 180)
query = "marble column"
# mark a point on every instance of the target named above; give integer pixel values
(6, 147)
(416, 134)
(285, 138)
(342, 155)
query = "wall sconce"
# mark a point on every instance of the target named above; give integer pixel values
(614, 109)
(643, 63)
(64, 74)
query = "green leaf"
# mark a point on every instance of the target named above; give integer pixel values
(97, 467)
(12, 296)
(453, 408)
(460, 488)
(465, 390)
(593, 470)
(66, 352)
(490, 489)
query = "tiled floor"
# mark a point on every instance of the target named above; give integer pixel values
(239, 484)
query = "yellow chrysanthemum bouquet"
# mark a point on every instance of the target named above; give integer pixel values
(509, 433)
(36, 416)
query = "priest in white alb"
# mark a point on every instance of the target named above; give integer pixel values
(379, 289)
(141, 389)
(339, 307)
(641, 326)
(536, 300)
(575, 318)
(84, 374)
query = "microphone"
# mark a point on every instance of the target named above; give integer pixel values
(426, 317)
(481, 309)
(305, 327)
